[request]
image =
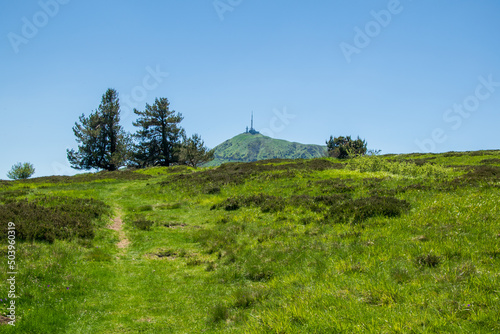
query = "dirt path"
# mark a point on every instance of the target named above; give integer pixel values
(118, 226)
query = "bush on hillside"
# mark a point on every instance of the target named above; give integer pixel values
(21, 171)
(345, 147)
(51, 218)
(358, 210)
(143, 224)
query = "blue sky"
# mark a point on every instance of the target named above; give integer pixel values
(408, 75)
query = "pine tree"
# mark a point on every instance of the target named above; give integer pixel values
(103, 142)
(158, 139)
(193, 151)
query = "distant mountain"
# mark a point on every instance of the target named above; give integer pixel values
(251, 147)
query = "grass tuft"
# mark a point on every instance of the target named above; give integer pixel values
(428, 260)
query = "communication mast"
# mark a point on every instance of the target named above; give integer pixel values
(251, 131)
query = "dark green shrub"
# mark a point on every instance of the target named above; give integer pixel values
(335, 186)
(166, 253)
(493, 161)
(475, 176)
(233, 173)
(21, 171)
(210, 266)
(89, 207)
(143, 224)
(301, 201)
(145, 208)
(428, 260)
(11, 195)
(270, 203)
(357, 211)
(372, 182)
(173, 224)
(345, 147)
(267, 203)
(258, 273)
(218, 313)
(331, 199)
(482, 173)
(274, 205)
(421, 162)
(193, 262)
(212, 190)
(469, 153)
(51, 218)
(231, 204)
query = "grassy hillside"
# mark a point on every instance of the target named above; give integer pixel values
(392, 244)
(246, 147)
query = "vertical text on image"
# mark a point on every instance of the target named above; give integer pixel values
(11, 272)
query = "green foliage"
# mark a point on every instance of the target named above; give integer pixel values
(238, 173)
(270, 203)
(103, 142)
(51, 218)
(481, 174)
(143, 224)
(218, 313)
(12, 195)
(410, 168)
(358, 210)
(158, 137)
(98, 255)
(21, 171)
(246, 297)
(492, 161)
(428, 260)
(145, 208)
(193, 151)
(345, 147)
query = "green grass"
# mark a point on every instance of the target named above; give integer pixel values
(391, 244)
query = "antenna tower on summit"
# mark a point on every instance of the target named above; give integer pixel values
(252, 130)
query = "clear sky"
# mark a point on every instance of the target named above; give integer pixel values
(407, 76)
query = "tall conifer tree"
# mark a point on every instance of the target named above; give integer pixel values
(103, 142)
(158, 139)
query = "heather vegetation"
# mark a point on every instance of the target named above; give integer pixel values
(377, 244)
